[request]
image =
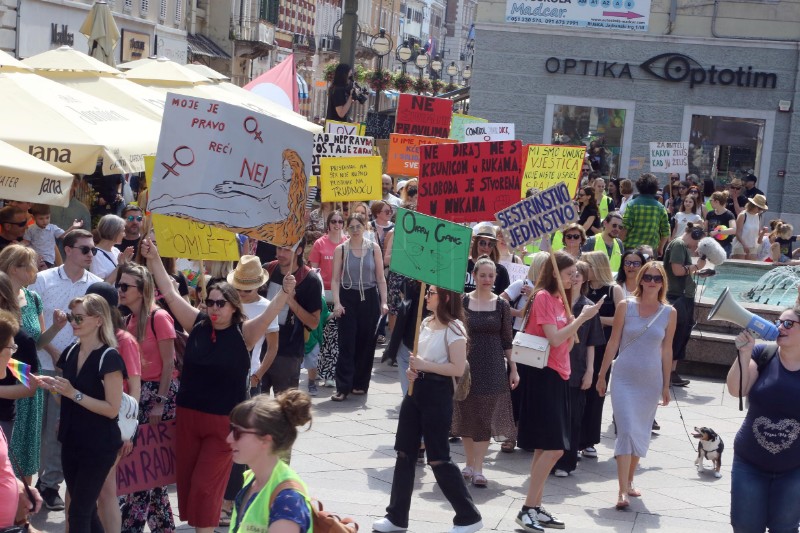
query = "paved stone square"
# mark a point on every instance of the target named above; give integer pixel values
(346, 458)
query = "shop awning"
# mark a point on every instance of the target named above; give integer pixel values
(200, 45)
(302, 88)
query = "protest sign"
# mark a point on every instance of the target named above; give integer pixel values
(541, 214)
(378, 125)
(333, 145)
(423, 115)
(458, 122)
(430, 250)
(469, 182)
(152, 462)
(180, 237)
(403, 156)
(669, 157)
(548, 164)
(489, 131)
(351, 179)
(227, 166)
(343, 128)
(516, 271)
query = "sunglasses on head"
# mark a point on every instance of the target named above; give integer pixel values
(650, 278)
(131, 218)
(633, 264)
(85, 250)
(123, 287)
(218, 303)
(71, 317)
(786, 323)
(238, 432)
(572, 236)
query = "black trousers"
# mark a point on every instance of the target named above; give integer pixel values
(683, 327)
(577, 403)
(428, 414)
(85, 472)
(356, 339)
(591, 426)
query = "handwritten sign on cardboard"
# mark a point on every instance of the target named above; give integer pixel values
(379, 125)
(516, 271)
(469, 182)
(458, 122)
(351, 179)
(669, 157)
(180, 237)
(548, 164)
(152, 462)
(343, 128)
(538, 215)
(488, 131)
(423, 115)
(431, 250)
(403, 156)
(333, 145)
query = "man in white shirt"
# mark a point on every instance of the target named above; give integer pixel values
(388, 197)
(58, 287)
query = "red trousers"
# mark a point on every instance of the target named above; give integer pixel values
(204, 463)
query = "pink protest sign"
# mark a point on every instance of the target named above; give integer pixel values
(152, 463)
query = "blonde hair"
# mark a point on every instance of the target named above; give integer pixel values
(584, 268)
(97, 306)
(16, 255)
(600, 265)
(277, 417)
(146, 286)
(662, 292)
(537, 261)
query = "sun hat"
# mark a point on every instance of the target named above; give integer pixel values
(248, 274)
(760, 201)
(484, 229)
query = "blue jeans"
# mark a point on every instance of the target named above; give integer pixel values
(761, 500)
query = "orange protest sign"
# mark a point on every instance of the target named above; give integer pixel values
(403, 158)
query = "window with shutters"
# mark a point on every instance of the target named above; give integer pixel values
(127, 6)
(268, 10)
(162, 12)
(178, 11)
(144, 7)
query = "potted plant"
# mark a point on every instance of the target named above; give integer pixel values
(422, 85)
(403, 82)
(436, 86)
(380, 80)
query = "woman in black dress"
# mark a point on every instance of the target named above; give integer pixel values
(589, 212)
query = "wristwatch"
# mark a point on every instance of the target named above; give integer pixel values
(78, 396)
(160, 399)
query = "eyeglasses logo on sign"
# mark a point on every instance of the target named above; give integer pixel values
(679, 67)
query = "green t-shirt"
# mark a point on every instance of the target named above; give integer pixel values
(677, 252)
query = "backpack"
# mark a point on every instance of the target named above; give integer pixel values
(322, 521)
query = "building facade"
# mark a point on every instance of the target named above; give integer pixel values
(721, 76)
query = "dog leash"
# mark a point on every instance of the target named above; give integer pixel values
(683, 420)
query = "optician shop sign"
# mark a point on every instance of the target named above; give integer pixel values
(671, 67)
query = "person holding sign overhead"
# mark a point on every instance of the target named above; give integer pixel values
(359, 296)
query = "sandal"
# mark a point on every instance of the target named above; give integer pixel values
(479, 480)
(338, 397)
(632, 491)
(622, 502)
(225, 518)
(508, 446)
(467, 473)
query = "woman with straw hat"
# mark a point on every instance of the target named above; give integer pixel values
(748, 229)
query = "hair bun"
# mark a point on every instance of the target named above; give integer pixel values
(296, 405)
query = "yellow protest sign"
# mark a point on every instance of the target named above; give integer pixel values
(178, 237)
(349, 179)
(549, 164)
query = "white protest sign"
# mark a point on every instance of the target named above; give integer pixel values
(516, 271)
(488, 131)
(228, 166)
(538, 215)
(333, 145)
(669, 157)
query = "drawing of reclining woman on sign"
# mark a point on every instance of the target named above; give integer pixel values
(240, 207)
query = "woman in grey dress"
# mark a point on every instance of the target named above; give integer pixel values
(642, 332)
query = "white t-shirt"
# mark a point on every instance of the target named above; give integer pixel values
(513, 291)
(252, 310)
(432, 347)
(105, 262)
(43, 240)
(681, 219)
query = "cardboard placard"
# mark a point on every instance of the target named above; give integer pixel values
(351, 179)
(403, 156)
(548, 164)
(232, 167)
(458, 122)
(541, 214)
(516, 271)
(179, 237)
(669, 157)
(423, 115)
(343, 128)
(469, 182)
(379, 125)
(488, 131)
(152, 462)
(334, 145)
(430, 250)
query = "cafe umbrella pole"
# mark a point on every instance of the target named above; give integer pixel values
(422, 288)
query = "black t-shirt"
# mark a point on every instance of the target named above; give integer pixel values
(129, 242)
(26, 353)
(308, 294)
(215, 368)
(78, 425)
(724, 219)
(787, 245)
(5, 242)
(590, 334)
(751, 193)
(741, 199)
(587, 212)
(501, 282)
(337, 97)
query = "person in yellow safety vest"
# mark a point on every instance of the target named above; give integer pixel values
(263, 429)
(604, 203)
(608, 241)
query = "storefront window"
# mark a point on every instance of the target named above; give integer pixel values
(600, 129)
(723, 148)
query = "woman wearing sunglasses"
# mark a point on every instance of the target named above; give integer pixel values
(216, 370)
(154, 330)
(765, 476)
(589, 217)
(642, 335)
(111, 230)
(428, 413)
(632, 263)
(261, 432)
(573, 239)
(484, 242)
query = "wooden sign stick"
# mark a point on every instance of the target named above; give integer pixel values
(422, 288)
(201, 283)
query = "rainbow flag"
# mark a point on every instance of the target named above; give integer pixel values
(21, 371)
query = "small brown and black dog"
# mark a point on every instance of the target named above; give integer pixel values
(710, 447)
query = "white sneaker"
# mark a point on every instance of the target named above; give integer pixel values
(561, 473)
(589, 452)
(546, 519)
(472, 528)
(527, 520)
(329, 383)
(384, 525)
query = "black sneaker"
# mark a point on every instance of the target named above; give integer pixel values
(545, 519)
(678, 381)
(656, 427)
(527, 521)
(51, 499)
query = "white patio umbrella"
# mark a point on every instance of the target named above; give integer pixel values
(28, 179)
(136, 63)
(67, 59)
(208, 72)
(102, 32)
(9, 63)
(167, 72)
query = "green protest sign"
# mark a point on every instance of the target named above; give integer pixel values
(431, 250)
